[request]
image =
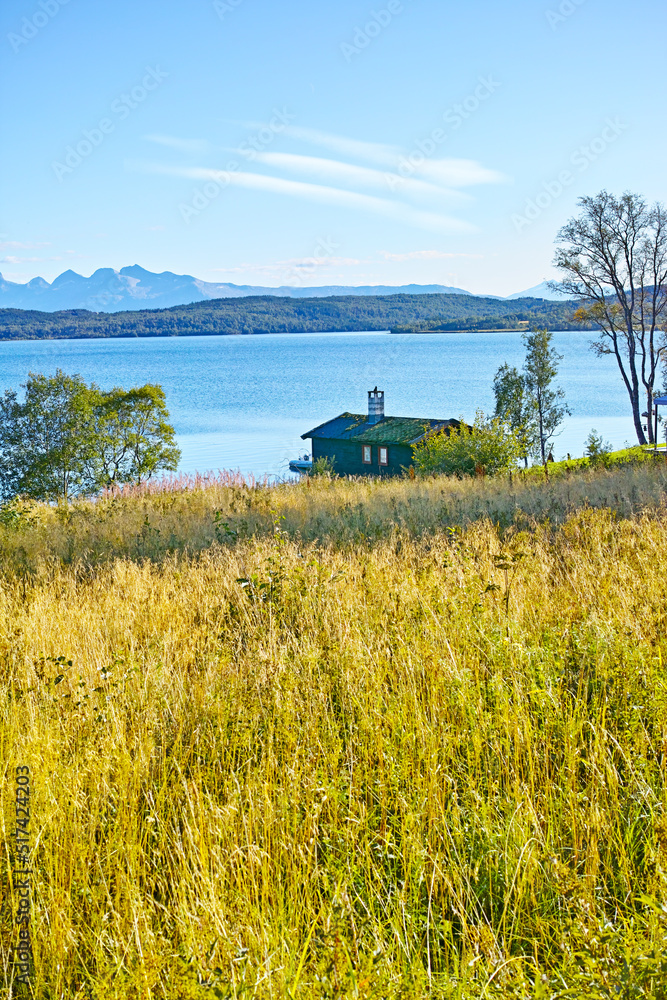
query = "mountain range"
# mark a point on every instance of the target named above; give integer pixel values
(107, 290)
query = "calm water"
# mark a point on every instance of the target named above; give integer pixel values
(243, 402)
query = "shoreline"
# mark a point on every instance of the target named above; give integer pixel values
(522, 329)
(273, 333)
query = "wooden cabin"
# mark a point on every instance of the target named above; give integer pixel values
(372, 444)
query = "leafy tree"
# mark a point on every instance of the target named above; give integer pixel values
(44, 440)
(132, 436)
(540, 369)
(513, 407)
(614, 259)
(69, 439)
(489, 446)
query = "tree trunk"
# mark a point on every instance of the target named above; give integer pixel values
(649, 421)
(541, 420)
(634, 381)
(637, 418)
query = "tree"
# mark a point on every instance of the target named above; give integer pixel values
(70, 439)
(43, 441)
(132, 436)
(540, 369)
(489, 446)
(614, 259)
(513, 407)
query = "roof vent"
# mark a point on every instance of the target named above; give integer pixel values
(375, 406)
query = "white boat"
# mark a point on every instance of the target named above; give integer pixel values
(301, 464)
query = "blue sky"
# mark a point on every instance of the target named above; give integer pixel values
(322, 143)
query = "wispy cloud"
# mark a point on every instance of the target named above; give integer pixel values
(16, 245)
(372, 152)
(295, 263)
(319, 193)
(367, 177)
(352, 175)
(26, 260)
(459, 173)
(450, 172)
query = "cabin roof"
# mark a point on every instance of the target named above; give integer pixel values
(388, 430)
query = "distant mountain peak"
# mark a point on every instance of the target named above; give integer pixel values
(541, 291)
(134, 269)
(133, 287)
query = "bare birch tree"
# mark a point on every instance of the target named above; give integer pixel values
(613, 257)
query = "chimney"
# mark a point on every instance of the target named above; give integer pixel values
(375, 406)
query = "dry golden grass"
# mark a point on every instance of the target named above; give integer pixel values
(315, 748)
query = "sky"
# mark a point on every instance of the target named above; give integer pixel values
(353, 143)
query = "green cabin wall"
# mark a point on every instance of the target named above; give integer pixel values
(346, 457)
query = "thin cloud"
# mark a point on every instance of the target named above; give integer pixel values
(392, 186)
(322, 194)
(15, 245)
(448, 172)
(26, 260)
(348, 173)
(459, 173)
(296, 263)
(373, 152)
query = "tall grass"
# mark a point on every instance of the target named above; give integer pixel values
(311, 745)
(186, 514)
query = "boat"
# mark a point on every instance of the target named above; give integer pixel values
(301, 464)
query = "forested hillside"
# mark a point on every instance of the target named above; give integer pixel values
(270, 314)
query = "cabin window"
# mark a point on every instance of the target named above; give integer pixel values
(366, 456)
(384, 457)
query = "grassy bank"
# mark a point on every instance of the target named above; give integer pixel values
(635, 455)
(342, 739)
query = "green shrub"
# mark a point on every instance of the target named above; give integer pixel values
(488, 447)
(597, 451)
(323, 467)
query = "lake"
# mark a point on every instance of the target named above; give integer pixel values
(243, 402)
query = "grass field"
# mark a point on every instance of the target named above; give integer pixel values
(341, 739)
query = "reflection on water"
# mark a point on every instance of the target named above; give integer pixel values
(243, 402)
